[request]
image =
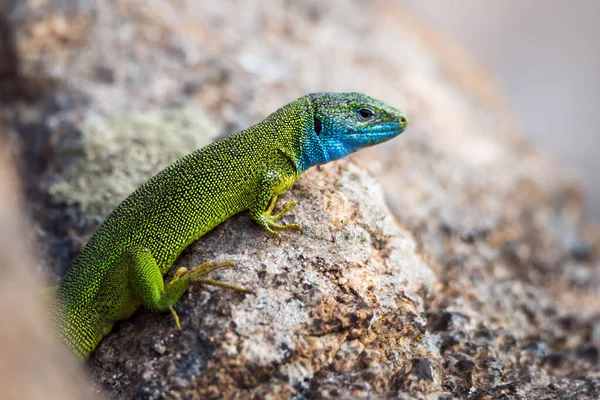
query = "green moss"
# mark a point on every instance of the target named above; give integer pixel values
(120, 153)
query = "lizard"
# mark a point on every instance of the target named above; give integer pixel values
(122, 266)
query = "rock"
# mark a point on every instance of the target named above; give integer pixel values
(352, 281)
(120, 153)
(461, 265)
(33, 363)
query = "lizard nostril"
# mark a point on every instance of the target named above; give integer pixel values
(403, 119)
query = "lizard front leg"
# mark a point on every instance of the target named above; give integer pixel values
(280, 175)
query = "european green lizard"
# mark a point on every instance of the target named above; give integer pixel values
(123, 264)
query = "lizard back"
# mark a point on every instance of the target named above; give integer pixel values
(182, 202)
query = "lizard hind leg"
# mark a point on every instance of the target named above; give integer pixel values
(195, 275)
(148, 285)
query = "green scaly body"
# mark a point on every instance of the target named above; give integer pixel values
(123, 264)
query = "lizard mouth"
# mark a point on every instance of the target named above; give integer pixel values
(377, 134)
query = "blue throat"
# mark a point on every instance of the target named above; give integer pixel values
(312, 151)
(333, 144)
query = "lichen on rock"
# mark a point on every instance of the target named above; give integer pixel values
(119, 153)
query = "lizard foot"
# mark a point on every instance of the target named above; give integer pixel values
(196, 274)
(268, 221)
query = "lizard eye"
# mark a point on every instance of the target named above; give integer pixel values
(365, 114)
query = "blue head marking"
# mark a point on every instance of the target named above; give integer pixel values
(347, 122)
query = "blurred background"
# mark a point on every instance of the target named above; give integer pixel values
(546, 56)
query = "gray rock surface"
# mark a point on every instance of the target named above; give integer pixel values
(115, 158)
(332, 298)
(33, 365)
(476, 277)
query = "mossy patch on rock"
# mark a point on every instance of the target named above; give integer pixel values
(120, 153)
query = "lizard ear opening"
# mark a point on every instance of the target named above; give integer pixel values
(318, 126)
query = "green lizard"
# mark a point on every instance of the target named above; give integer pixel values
(123, 264)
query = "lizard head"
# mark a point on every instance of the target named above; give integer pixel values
(347, 122)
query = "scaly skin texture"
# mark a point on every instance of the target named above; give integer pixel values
(123, 264)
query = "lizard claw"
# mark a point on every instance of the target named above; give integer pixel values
(269, 222)
(175, 318)
(272, 232)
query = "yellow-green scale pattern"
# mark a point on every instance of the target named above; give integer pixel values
(123, 264)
